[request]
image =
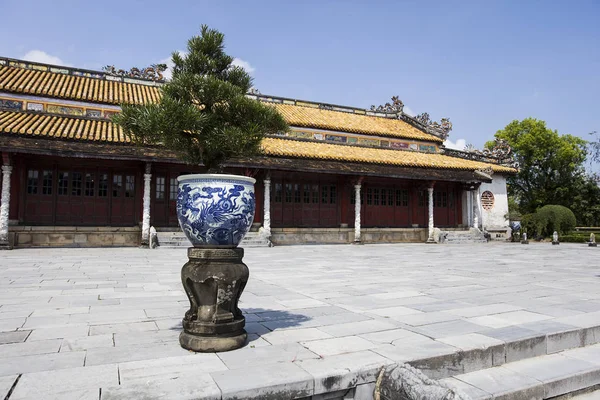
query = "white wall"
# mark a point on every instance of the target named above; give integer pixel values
(494, 218)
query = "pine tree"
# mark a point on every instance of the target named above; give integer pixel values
(203, 115)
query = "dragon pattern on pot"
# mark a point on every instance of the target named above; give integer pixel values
(212, 215)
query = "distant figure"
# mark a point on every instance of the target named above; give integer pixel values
(555, 238)
(524, 240)
(592, 242)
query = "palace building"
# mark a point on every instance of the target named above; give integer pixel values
(70, 177)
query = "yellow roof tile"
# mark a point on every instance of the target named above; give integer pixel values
(326, 151)
(52, 126)
(348, 122)
(29, 81)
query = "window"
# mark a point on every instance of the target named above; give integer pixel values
(401, 198)
(369, 196)
(487, 200)
(390, 197)
(102, 185)
(421, 196)
(130, 186)
(324, 194)
(315, 194)
(32, 181)
(440, 199)
(288, 192)
(173, 186)
(383, 197)
(89, 184)
(306, 193)
(451, 199)
(375, 197)
(47, 182)
(76, 184)
(296, 193)
(160, 187)
(117, 185)
(63, 183)
(332, 194)
(278, 189)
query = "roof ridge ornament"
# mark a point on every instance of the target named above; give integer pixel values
(397, 106)
(500, 151)
(153, 72)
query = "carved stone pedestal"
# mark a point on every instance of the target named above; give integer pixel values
(214, 279)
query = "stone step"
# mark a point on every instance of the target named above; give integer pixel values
(177, 239)
(542, 377)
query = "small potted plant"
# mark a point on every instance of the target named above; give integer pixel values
(205, 117)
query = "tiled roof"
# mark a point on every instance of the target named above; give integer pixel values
(327, 151)
(103, 131)
(348, 122)
(61, 127)
(72, 87)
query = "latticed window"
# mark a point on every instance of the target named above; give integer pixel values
(383, 197)
(306, 193)
(375, 197)
(32, 181)
(89, 184)
(160, 187)
(440, 199)
(117, 185)
(487, 200)
(76, 184)
(102, 185)
(324, 194)
(63, 183)
(315, 194)
(47, 182)
(390, 197)
(173, 189)
(421, 196)
(130, 186)
(296, 193)
(288, 192)
(332, 194)
(401, 198)
(369, 196)
(278, 190)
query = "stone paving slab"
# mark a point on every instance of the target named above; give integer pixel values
(446, 309)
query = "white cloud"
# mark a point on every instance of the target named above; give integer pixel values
(168, 73)
(409, 111)
(238, 62)
(458, 145)
(43, 57)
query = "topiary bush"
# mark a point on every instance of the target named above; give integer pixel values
(548, 219)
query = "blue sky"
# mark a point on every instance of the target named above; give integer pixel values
(480, 63)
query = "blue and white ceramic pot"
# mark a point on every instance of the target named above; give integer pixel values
(215, 210)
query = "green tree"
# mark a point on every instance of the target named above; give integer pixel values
(550, 165)
(204, 114)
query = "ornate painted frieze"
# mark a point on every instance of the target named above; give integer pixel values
(362, 141)
(12, 105)
(37, 107)
(64, 110)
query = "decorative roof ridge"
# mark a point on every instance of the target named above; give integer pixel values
(297, 139)
(115, 76)
(500, 154)
(395, 111)
(50, 114)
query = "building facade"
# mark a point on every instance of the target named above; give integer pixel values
(341, 174)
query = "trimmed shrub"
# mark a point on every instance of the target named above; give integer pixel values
(548, 219)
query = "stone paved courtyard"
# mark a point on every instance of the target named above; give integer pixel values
(104, 323)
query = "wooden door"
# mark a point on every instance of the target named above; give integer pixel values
(401, 207)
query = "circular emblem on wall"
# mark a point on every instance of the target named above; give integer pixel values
(487, 200)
